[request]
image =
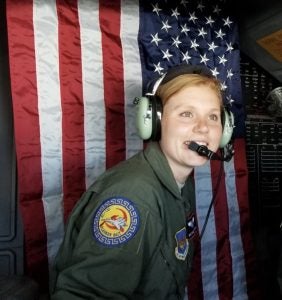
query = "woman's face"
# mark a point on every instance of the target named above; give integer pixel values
(192, 114)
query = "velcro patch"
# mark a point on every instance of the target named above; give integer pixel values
(182, 247)
(115, 222)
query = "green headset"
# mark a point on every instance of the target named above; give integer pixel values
(149, 107)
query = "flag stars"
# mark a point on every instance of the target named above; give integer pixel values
(223, 86)
(184, 3)
(220, 34)
(186, 57)
(202, 32)
(204, 59)
(176, 42)
(210, 21)
(212, 46)
(155, 39)
(200, 6)
(156, 9)
(229, 47)
(222, 60)
(166, 54)
(158, 68)
(166, 26)
(216, 10)
(227, 22)
(175, 13)
(184, 29)
(194, 45)
(192, 17)
(229, 74)
(229, 100)
(214, 72)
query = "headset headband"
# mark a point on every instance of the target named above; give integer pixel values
(186, 69)
(176, 71)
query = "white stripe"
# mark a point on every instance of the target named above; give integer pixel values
(132, 71)
(50, 118)
(238, 266)
(93, 90)
(203, 189)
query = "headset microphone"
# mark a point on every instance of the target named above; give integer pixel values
(202, 150)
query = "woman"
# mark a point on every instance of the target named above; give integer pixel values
(131, 234)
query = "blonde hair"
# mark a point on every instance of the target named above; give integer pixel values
(165, 91)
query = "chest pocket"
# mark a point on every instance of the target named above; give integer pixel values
(174, 253)
(175, 249)
(164, 277)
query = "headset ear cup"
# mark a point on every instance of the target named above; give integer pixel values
(228, 125)
(144, 118)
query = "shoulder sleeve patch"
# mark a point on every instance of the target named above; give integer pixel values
(115, 222)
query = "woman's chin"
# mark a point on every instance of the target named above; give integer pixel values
(197, 160)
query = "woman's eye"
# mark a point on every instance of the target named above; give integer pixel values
(187, 114)
(214, 117)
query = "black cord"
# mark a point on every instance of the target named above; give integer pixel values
(213, 199)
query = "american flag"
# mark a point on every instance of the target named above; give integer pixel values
(76, 66)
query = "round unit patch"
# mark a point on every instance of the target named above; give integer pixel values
(115, 222)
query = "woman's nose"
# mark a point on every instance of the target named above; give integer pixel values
(201, 125)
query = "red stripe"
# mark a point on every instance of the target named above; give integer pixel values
(224, 260)
(27, 135)
(113, 81)
(72, 103)
(195, 282)
(240, 163)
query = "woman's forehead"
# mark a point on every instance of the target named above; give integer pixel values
(196, 94)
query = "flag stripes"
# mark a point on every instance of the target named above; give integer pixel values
(223, 257)
(245, 249)
(130, 19)
(232, 199)
(27, 133)
(45, 23)
(70, 72)
(93, 90)
(113, 81)
(227, 277)
(208, 271)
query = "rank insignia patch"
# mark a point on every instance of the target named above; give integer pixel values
(115, 222)
(191, 226)
(182, 244)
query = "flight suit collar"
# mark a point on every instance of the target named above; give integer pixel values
(159, 164)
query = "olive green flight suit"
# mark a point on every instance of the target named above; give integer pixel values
(142, 262)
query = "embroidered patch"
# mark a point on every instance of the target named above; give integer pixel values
(115, 222)
(182, 244)
(191, 226)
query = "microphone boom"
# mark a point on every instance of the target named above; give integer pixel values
(203, 151)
